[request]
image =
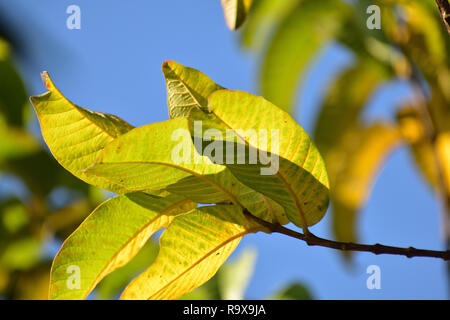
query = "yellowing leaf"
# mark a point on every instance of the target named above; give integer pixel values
(423, 151)
(147, 159)
(76, 135)
(235, 12)
(109, 238)
(352, 166)
(345, 101)
(298, 181)
(186, 88)
(263, 16)
(193, 248)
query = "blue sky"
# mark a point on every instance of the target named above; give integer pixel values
(113, 65)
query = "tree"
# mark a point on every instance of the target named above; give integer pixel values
(243, 157)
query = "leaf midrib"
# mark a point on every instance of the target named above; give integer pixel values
(211, 182)
(95, 282)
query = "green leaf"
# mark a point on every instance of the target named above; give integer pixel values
(235, 12)
(295, 291)
(192, 249)
(13, 97)
(76, 135)
(262, 17)
(230, 282)
(298, 179)
(186, 88)
(15, 142)
(423, 152)
(146, 159)
(109, 238)
(295, 43)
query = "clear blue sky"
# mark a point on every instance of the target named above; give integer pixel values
(113, 64)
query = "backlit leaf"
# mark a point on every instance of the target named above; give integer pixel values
(352, 167)
(192, 249)
(186, 88)
(75, 135)
(297, 179)
(146, 159)
(109, 238)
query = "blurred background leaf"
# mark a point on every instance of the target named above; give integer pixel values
(412, 45)
(34, 221)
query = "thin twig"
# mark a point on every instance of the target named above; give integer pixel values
(444, 9)
(313, 240)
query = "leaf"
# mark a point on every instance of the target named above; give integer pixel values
(422, 150)
(235, 12)
(300, 183)
(186, 88)
(263, 16)
(345, 101)
(192, 249)
(109, 238)
(75, 135)
(295, 291)
(234, 277)
(41, 173)
(352, 167)
(146, 159)
(294, 45)
(13, 97)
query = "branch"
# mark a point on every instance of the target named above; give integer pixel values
(313, 240)
(444, 9)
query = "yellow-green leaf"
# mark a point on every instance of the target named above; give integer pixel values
(146, 159)
(352, 166)
(298, 179)
(193, 248)
(76, 135)
(186, 88)
(109, 238)
(345, 101)
(262, 17)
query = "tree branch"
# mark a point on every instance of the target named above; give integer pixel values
(444, 9)
(313, 240)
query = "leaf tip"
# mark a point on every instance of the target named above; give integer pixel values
(168, 65)
(46, 79)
